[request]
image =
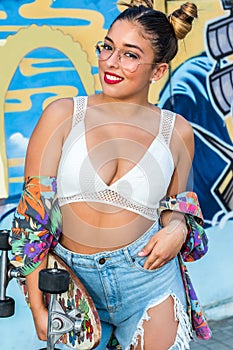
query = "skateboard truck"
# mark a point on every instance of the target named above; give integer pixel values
(7, 272)
(56, 281)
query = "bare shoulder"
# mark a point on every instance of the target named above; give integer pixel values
(46, 141)
(183, 128)
(56, 117)
(182, 141)
(58, 110)
(182, 147)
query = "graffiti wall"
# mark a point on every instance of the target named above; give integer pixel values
(201, 89)
(47, 51)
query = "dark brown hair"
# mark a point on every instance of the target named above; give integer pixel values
(162, 31)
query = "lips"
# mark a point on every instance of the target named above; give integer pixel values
(111, 78)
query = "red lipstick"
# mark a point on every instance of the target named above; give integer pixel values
(111, 78)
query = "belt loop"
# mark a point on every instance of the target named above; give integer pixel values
(128, 256)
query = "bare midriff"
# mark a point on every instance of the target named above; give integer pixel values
(89, 228)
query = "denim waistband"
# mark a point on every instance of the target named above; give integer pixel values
(110, 257)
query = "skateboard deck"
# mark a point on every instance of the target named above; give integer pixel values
(74, 301)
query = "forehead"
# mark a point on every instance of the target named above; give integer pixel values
(124, 32)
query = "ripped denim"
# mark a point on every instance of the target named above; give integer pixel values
(123, 290)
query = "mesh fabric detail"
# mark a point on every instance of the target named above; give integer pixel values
(111, 197)
(79, 109)
(167, 123)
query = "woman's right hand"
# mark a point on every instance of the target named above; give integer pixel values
(38, 308)
(40, 317)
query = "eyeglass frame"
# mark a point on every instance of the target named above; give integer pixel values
(120, 51)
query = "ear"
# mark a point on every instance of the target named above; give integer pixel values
(159, 71)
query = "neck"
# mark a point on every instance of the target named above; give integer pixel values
(123, 102)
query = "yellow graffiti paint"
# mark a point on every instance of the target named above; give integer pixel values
(3, 15)
(28, 66)
(24, 96)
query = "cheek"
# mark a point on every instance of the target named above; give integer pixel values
(101, 71)
(142, 78)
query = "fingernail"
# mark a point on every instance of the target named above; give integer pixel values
(141, 253)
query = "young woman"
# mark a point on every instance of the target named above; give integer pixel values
(114, 157)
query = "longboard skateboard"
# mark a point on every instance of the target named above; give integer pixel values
(73, 318)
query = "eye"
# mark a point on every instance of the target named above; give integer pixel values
(130, 55)
(106, 47)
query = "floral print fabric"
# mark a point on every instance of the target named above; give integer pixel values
(195, 247)
(37, 226)
(37, 223)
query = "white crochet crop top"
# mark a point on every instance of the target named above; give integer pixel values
(139, 190)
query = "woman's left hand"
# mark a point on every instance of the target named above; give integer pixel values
(162, 247)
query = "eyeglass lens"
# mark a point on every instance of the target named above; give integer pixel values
(128, 60)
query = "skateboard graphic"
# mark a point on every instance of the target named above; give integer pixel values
(72, 317)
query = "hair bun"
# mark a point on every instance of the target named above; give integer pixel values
(190, 9)
(182, 19)
(137, 3)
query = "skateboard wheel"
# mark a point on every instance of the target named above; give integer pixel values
(7, 307)
(54, 281)
(4, 244)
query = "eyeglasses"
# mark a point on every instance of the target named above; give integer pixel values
(128, 60)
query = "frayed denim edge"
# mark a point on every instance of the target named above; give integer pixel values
(184, 330)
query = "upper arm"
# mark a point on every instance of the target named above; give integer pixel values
(182, 146)
(45, 144)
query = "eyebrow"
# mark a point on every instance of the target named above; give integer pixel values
(127, 45)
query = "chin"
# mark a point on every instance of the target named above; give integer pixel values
(112, 92)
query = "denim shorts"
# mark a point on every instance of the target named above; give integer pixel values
(123, 290)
